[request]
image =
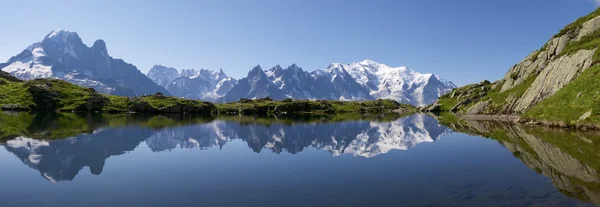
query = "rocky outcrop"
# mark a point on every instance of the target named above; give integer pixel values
(94, 103)
(556, 75)
(589, 27)
(460, 98)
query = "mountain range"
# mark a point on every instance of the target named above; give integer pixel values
(201, 84)
(365, 80)
(63, 55)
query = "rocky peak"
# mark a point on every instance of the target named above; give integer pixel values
(257, 71)
(189, 73)
(62, 36)
(294, 67)
(100, 46)
(163, 75)
(276, 68)
(371, 63)
(162, 68)
(222, 74)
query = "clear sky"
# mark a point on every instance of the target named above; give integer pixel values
(462, 40)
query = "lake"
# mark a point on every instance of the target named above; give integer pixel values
(127, 160)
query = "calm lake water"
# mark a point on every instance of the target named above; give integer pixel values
(121, 160)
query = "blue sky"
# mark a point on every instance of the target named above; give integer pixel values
(462, 40)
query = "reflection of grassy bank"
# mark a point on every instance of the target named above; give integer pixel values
(319, 107)
(308, 118)
(570, 158)
(64, 125)
(48, 126)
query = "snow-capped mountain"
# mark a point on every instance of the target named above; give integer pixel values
(366, 80)
(335, 83)
(399, 83)
(63, 55)
(201, 84)
(163, 75)
(255, 85)
(292, 81)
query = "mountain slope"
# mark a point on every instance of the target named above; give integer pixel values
(556, 84)
(62, 55)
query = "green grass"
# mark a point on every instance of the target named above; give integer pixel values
(588, 42)
(498, 99)
(14, 93)
(51, 95)
(71, 97)
(117, 104)
(262, 106)
(569, 103)
(578, 23)
(473, 92)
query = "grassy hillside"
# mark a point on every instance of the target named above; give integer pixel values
(533, 91)
(58, 95)
(578, 103)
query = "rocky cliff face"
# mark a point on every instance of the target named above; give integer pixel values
(536, 78)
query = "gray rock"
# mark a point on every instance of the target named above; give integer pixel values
(588, 28)
(558, 74)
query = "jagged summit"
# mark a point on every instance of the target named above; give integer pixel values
(62, 55)
(61, 35)
(364, 80)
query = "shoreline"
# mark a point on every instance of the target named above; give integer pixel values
(529, 122)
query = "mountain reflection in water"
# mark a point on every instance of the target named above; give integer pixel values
(62, 159)
(59, 146)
